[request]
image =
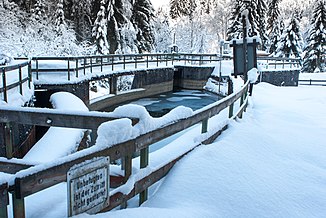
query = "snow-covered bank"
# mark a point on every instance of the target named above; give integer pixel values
(270, 164)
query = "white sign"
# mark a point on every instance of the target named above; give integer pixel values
(88, 186)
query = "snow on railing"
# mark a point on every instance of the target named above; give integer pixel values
(146, 132)
(13, 76)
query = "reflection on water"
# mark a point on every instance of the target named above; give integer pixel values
(160, 105)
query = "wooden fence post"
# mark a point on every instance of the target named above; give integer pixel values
(4, 84)
(204, 126)
(77, 67)
(127, 167)
(113, 85)
(68, 69)
(20, 80)
(4, 200)
(8, 140)
(230, 91)
(144, 153)
(29, 74)
(18, 201)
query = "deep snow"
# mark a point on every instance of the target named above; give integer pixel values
(269, 164)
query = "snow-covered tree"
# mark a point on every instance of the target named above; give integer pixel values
(261, 18)
(275, 35)
(179, 8)
(248, 8)
(59, 17)
(315, 50)
(274, 25)
(39, 10)
(291, 42)
(100, 30)
(143, 20)
(81, 15)
(163, 38)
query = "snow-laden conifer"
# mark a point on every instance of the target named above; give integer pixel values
(100, 30)
(291, 42)
(315, 50)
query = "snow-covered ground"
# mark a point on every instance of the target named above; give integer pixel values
(269, 164)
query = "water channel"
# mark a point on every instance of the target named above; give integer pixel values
(162, 104)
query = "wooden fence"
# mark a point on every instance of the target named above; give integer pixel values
(312, 82)
(281, 63)
(38, 178)
(21, 80)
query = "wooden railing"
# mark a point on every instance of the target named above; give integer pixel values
(21, 80)
(312, 82)
(78, 66)
(277, 63)
(40, 177)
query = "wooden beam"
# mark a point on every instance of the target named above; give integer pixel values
(55, 117)
(4, 200)
(12, 168)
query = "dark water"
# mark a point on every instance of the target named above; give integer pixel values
(162, 104)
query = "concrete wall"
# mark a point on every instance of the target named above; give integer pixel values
(194, 77)
(281, 78)
(146, 83)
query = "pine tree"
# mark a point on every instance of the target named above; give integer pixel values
(315, 50)
(100, 30)
(291, 42)
(143, 20)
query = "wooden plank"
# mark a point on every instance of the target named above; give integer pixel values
(12, 168)
(56, 174)
(53, 117)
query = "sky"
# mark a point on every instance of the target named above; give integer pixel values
(158, 3)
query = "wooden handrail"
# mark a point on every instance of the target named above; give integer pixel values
(42, 177)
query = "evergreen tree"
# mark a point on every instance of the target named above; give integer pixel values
(274, 25)
(163, 37)
(273, 14)
(100, 30)
(59, 16)
(39, 10)
(143, 20)
(179, 8)
(275, 36)
(236, 28)
(315, 50)
(261, 18)
(291, 42)
(81, 15)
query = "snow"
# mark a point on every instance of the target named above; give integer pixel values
(274, 167)
(268, 161)
(49, 147)
(253, 75)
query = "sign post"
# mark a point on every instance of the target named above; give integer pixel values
(88, 186)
